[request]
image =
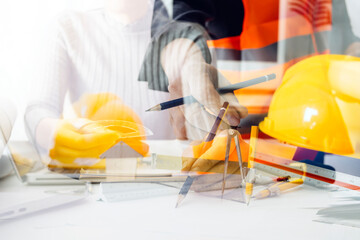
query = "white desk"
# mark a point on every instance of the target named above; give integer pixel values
(289, 216)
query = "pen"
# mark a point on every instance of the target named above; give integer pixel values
(279, 187)
(250, 178)
(189, 180)
(227, 89)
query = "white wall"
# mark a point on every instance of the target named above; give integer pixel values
(23, 27)
(353, 7)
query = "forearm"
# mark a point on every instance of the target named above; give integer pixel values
(199, 79)
(37, 124)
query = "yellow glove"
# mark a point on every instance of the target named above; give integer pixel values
(108, 106)
(210, 156)
(78, 139)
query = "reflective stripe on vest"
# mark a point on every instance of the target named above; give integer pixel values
(275, 36)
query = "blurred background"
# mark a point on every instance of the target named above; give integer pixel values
(23, 30)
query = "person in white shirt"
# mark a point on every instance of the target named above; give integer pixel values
(130, 49)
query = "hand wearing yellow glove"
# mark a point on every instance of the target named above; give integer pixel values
(80, 139)
(104, 106)
(210, 156)
(107, 106)
(90, 135)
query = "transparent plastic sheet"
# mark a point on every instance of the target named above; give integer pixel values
(135, 169)
(128, 132)
(24, 158)
(28, 160)
(153, 170)
(210, 185)
(126, 129)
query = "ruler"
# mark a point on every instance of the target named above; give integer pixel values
(314, 175)
(115, 192)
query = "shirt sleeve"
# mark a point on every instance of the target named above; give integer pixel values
(151, 70)
(52, 80)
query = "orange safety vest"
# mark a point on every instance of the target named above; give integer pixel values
(276, 34)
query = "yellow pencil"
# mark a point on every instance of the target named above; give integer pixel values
(279, 187)
(251, 173)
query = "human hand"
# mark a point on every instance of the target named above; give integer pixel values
(71, 142)
(108, 106)
(189, 74)
(104, 106)
(80, 138)
(209, 156)
(353, 49)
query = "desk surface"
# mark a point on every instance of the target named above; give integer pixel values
(288, 216)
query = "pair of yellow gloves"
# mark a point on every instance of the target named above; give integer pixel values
(87, 137)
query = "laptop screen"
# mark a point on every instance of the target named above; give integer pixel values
(23, 157)
(26, 160)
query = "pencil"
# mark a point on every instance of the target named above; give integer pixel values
(251, 158)
(247, 83)
(172, 103)
(184, 190)
(279, 187)
(217, 122)
(189, 180)
(227, 89)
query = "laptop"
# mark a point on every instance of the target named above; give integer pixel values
(29, 169)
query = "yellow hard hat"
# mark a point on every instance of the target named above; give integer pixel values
(304, 110)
